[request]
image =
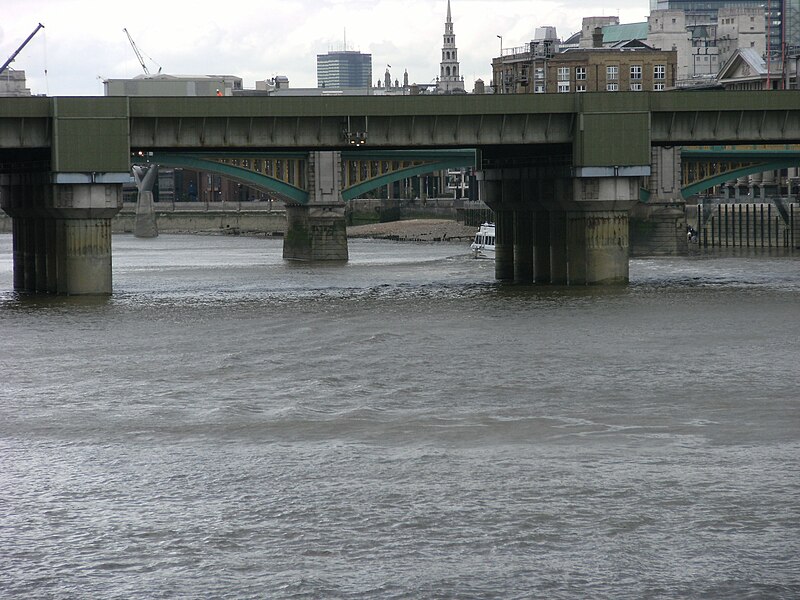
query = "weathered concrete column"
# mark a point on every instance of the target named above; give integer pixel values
(558, 247)
(86, 252)
(541, 246)
(597, 247)
(506, 192)
(145, 225)
(523, 246)
(658, 226)
(62, 234)
(318, 231)
(504, 245)
(597, 229)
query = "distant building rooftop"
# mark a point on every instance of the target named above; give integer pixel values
(624, 32)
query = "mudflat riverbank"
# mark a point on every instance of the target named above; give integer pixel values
(417, 230)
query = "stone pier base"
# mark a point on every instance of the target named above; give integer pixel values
(597, 247)
(315, 233)
(318, 230)
(61, 235)
(560, 230)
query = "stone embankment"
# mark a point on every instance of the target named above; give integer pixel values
(415, 230)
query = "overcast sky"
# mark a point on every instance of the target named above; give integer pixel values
(83, 40)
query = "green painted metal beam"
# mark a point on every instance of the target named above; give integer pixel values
(699, 186)
(365, 186)
(246, 176)
(454, 159)
(742, 153)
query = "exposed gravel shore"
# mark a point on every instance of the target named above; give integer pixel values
(415, 230)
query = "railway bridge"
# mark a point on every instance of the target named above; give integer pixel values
(561, 172)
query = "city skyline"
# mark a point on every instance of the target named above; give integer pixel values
(83, 41)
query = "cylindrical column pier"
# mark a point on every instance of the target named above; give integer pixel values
(558, 247)
(541, 246)
(523, 246)
(504, 245)
(87, 256)
(597, 247)
(62, 235)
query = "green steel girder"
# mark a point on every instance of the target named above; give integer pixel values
(370, 184)
(744, 152)
(704, 184)
(452, 159)
(769, 156)
(246, 176)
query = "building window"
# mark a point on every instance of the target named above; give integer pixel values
(660, 72)
(612, 73)
(636, 87)
(612, 87)
(580, 73)
(563, 73)
(658, 87)
(581, 87)
(538, 88)
(563, 87)
(539, 73)
(636, 71)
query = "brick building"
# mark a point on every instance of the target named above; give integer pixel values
(634, 67)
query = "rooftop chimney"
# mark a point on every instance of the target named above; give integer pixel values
(597, 38)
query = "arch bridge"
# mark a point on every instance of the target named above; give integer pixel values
(560, 171)
(286, 173)
(704, 167)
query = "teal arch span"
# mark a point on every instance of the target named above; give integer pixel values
(773, 165)
(441, 159)
(192, 161)
(356, 190)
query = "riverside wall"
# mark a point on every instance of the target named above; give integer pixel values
(208, 221)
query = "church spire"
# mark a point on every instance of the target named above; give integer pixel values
(449, 77)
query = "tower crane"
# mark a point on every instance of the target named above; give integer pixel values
(18, 50)
(139, 54)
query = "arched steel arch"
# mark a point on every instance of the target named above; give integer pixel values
(193, 161)
(355, 191)
(699, 186)
(452, 160)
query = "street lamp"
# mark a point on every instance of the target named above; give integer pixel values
(500, 78)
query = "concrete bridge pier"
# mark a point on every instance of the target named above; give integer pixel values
(597, 228)
(597, 247)
(145, 225)
(658, 226)
(61, 233)
(541, 247)
(523, 246)
(560, 230)
(318, 231)
(558, 247)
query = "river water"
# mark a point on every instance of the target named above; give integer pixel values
(229, 425)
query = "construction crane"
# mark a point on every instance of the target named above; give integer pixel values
(139, 54)
(18, 50)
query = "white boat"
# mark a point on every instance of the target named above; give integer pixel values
(483, 245)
